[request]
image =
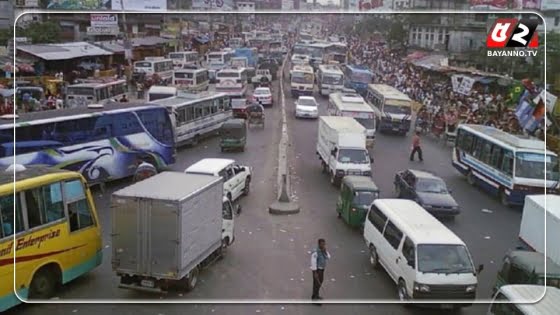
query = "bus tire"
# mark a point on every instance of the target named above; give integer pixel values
(470, 178)
(45, 282)
(503, 198)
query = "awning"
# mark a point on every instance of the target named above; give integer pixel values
(63, 51)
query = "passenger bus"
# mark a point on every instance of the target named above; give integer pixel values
(158, 92)
(236, 42)
(337, 52)
(84, 94)
(217, 60)
(232, 81)
(353, 105)
(191, 79)
(302, 80)
(392, 108)
(357, 77)
(35, 92)
(52, 229)
(330, 79)
(197, 116)
(505, 165)
(183, 58)
(102, 142)
(155, 65)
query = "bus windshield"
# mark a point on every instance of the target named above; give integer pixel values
(302, 78)
(80, 91)
(183, 75)
(179, 56)
(361, 77)
(532, 165)
(332, 79)
(143, 64)
(392, 109)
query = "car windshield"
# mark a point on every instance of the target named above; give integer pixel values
(361, 77)
(368, 123)
(532, 165)
(431, 185)
(364, 197)
(392, 109)
(438, 258)
(332, 79)
(353, 156)
(262, 92)
(307, 102)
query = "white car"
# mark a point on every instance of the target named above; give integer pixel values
(237, 178)
(263, 96)
(306, 106)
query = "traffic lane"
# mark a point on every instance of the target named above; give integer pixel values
(230, 309)
(259, 155)
(349, 274)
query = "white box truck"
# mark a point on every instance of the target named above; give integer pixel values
(166, 228)
(341, 146)
(532, 232)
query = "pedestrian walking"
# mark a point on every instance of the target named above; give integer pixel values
(416, 147)
(319, 260)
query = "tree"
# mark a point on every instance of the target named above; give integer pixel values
(397, 34)
(41, 32)
(5, 36)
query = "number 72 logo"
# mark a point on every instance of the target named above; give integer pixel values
(513, 33)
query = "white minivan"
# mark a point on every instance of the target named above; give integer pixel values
(426, 260)
(519, 299)
(237, 178)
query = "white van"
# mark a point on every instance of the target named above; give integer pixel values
(237, 178)
(519, 299)
(425, 259)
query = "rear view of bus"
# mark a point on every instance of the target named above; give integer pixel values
(57, 232)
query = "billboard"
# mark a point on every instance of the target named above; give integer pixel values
(79, 4)
(374, 5)
(139, 5)
(222, 5)
(104, 20)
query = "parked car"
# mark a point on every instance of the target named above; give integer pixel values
(237, 178)
(263, 96)
(428, 190)
(306, 106)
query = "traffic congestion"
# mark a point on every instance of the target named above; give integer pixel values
(162, 175)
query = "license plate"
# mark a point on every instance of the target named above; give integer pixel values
(147, 283)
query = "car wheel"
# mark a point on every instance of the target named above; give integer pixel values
(470, 178)
(401, 291)
(192, 278)
(247, 187)
(373, 257)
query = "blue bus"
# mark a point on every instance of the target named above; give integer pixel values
(506, 165)
(102, 142)
(357, 77)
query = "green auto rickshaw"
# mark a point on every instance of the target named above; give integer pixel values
(233, 135)
(357, 193)
(527, 267)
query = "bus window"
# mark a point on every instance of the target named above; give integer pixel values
(7, 216)
(44, 205)
(78, 206)
(507, 164)
(156, 122)
(125, 124)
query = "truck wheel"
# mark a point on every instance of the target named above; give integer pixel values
(192, 278)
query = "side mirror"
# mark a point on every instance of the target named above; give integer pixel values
(479, 269)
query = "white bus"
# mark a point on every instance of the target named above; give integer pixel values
(217, 60)
(392, 108)
(183, 58)
(302, 79)
(83, 94)
(155, 65)
(353, 105)
(232, 81)
(330, 79)
(191, 79)
(158, 92)
(197, 116)
(506, 165)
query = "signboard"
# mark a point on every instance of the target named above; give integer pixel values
(79, 5)
(512, 4)
(462, 84)
(547, 5)
(218, 5)
(374, 5)
(549, 98)
(101, 30)
(104, 20)
(27, 3)
(139, 5)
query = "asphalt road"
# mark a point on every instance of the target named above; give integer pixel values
(270, 257)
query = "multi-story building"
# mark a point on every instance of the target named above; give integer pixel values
(6, 14)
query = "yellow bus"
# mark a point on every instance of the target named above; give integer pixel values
(57, 232)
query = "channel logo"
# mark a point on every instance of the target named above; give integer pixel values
(513, 33)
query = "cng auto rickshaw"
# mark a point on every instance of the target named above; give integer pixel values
(233, 135)
(357, 193)
(255, 115)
